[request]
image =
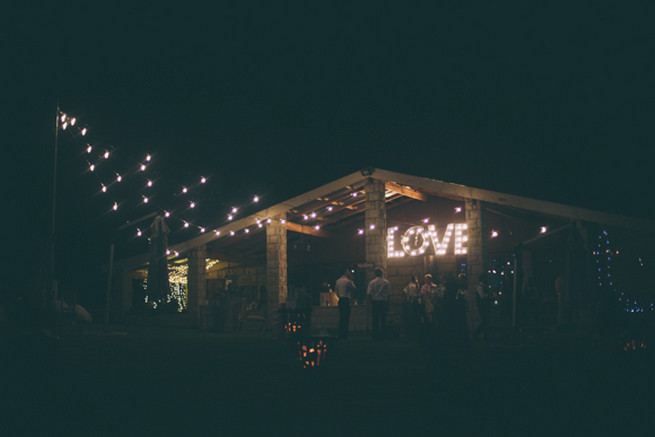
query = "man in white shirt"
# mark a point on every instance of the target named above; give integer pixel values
(344, 287)
(378, 291)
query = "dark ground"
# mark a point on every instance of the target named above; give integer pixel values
(154, 381)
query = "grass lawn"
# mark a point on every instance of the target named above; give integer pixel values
(158, 381)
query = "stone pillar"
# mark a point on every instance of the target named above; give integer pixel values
(476, 252)
(197, 280)
(276, 268)
(376, 226)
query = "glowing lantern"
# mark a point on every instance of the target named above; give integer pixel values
(312, 351)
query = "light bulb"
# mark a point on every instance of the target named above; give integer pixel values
(143, 167)
(217, 232)
(203, 180)
(73, 121)
(119, 178)
(106, 155)
(229, 217)
(115, 208)
(138, 232)
(234, 210)
(149, 183)
(255, 199)
(192, 205)
(148, 158)
(184, 190)
(83, 131)
(202, 230)
(167, 214)
(89, 148)
(186, 224)
(104, 188)
(145, 199)
(92, 167)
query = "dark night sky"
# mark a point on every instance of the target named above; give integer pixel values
(552, 102)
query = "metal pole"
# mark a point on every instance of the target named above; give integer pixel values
(516, 274)
(50, 286)
(110, 273)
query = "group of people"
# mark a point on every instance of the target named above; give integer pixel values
(446, 308)
(378, 291)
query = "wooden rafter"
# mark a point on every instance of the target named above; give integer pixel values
(406, 191)
(308, 230)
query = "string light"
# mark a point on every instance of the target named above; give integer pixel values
(104, 188)
(138, 232)
(203, 180)
(145, 199)
(83, 132)
(73, 121)
(494, 233)
(148, 158)
(360, 231)
(234, 210)
(106, 154)
(232, 233)
(317, 227)
(458, 209)
(92, 167)
(89, 149)
(255, 199)
(167, 214)
(217, 232)
(115, 207)
(543, 230)
(184, 190)
(192, 205)
(118, 177)
(229, 217)
(143, 167)
(149, 183)
(202, 230)
(186, 224)
(372, 226)
(330, 208)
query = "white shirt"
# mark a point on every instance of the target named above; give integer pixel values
(344, 287)
(378, 289)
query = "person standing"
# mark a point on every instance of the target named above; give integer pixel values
(428, 297)
(378, 291)
(344, 287)
(412, 305)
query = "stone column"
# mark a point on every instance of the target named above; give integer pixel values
(376, 226)
(476, 252)
(197, 280)
(276, 268)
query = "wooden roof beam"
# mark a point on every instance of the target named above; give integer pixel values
(406, 191)
(308, 230)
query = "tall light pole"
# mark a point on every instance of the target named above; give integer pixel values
(48, 300)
